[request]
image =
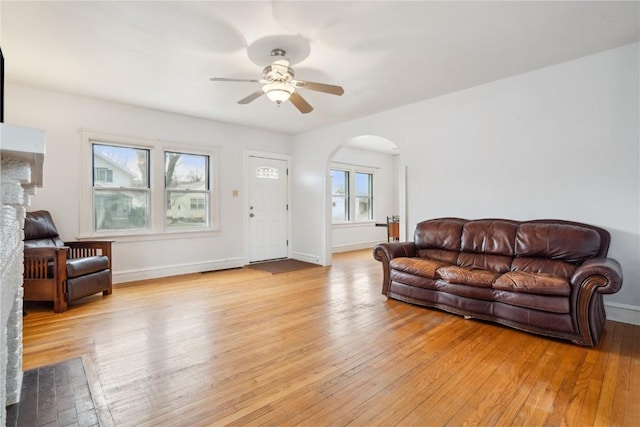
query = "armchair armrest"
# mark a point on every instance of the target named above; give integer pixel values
(45, 275)
(385, 252)
(87, 248)
(37, 262)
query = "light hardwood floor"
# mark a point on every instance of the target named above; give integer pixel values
(320, 347)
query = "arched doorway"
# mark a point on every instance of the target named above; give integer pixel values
(355, 219)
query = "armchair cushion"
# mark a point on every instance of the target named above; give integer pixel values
(40, 231)
(80, 266)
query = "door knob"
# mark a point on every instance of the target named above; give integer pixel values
(251, 215)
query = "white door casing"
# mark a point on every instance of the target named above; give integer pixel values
(267, 208)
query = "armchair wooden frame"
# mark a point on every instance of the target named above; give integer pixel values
(45, 270)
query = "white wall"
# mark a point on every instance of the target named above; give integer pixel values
(560, 142)
(385, 199)
(63, 115)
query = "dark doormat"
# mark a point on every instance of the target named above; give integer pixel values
(281, 266)
(55, 395)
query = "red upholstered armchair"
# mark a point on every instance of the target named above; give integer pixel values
(59, 271)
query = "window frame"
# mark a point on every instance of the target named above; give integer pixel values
(157, 229)
(351, 171)
(207, 205)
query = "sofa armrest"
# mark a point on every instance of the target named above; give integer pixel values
(592, 279)
(393, 250)
(87, 248)
(385, 252)
(608, 269)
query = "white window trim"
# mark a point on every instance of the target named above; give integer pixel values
(157, 217)
(353, 169)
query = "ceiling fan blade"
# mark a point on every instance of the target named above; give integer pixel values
(319, 87)
(223, 79)
(255, 95)
(300, 103)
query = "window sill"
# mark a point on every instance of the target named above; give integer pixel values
(353, 224)
(151, 235)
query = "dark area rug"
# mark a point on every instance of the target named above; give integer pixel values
(281, 266)
(55, 395)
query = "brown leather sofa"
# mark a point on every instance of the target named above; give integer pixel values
(541, 276)
(59, 271)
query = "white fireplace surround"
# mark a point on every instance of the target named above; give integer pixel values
(22, 154)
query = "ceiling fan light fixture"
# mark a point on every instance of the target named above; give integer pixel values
(278, 92)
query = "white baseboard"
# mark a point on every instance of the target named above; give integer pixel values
(354, 246)
(313, 259)
(624, 313)
(174, 270)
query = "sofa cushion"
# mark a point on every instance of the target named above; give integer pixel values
(418, 266)
(530, 283)
(544, 265)
(412, 280)
(553, 304)
(570, 243)
(447, 256)
(467, 276)
(497, 263)
(439, 234)
(489, 236)
(80, 266)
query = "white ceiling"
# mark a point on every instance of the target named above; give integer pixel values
(385, 54)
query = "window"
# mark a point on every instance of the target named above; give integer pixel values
(120, 187)
(103, 175)
(187, 189)
(351, 195)
(141, 189)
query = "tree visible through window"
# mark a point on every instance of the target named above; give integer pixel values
(187, 189)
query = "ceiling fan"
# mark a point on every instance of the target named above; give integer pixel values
(280, 85)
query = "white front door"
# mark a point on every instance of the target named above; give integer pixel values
(267, 209)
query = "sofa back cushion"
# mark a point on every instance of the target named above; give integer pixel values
(569, 243)
(541, 246)
(439, 239)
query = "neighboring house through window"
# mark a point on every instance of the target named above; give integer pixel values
(123, 191)
(120, 187)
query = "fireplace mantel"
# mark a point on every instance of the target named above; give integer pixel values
(23, 143)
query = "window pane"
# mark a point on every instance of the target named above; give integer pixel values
(363, 184)
(118, 167)
(340, 192)
(363, 209)
(186, 171)
(121, 209)
(339, 208)
(187, 209)
(364, 196)
(339, 182)
(267, 172)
